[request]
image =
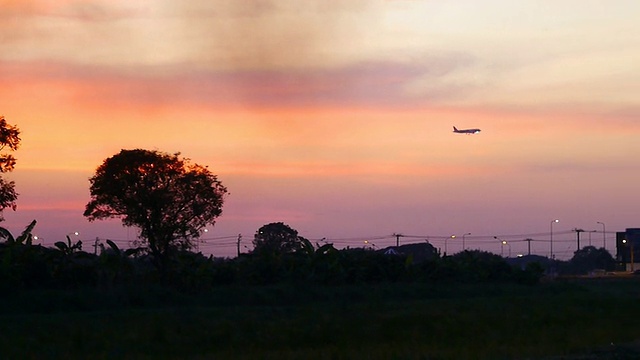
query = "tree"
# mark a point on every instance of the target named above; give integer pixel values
(168, 198)
(9, 137)
(276, 238)
(590, 258)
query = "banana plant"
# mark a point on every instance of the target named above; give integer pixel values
(68, 248)
(119, 252)
(116, 265)
(17, 254)
(6, 235)
(25, 237)
(314, 251)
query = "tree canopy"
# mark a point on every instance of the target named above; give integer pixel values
(276, 238)
(590, 258)
(9, 138)
(167, 197)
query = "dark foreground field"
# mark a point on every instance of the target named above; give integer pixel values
(592, 318)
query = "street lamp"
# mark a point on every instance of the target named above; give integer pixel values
(445, 243)
(604, 238)
(504, 242)
(551, 236)
(463, 246)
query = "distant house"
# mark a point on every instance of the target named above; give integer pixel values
(391, 251)
(419, 252)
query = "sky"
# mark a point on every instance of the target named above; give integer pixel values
(336, 117)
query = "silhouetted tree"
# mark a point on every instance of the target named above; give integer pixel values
(9, 137)
(276, 238)
(590, 258)
(168, 198)
(478, 265)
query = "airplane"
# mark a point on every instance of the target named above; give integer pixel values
(465, 131)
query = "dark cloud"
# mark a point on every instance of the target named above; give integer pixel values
(369, 84)
(262, 34)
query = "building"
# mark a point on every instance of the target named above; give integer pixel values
(628, 249)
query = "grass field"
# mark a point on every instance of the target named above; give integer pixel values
(390, 321)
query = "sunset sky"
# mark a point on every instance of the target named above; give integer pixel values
(336, 116)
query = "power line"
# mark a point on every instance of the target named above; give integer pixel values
(226, 243)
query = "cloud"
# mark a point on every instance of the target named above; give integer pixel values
(218, 34)
(276, 34)
(326, 53)
(370, 85)
(70, 31)
(92, 10)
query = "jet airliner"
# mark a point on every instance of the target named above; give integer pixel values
(465, 131)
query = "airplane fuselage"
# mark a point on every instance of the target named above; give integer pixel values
(466, 131)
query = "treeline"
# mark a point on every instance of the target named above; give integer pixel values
(279, 256)
(26, 266)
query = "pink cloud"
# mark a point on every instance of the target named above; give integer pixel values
(374, 84)
(71, 9)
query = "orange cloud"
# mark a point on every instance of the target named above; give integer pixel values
(379, 85)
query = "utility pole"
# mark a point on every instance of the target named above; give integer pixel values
(239, 239)
(578, 231)
(529, 245)
(397, 239)
(95, 246)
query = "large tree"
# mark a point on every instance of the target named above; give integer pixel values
(276, 238)
(590, 258)
(9, 138)
(168, 198)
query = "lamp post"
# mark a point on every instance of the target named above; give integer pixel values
(504, 242)
(604, 238)
(463, 244)
(445, 243)
(551, 236)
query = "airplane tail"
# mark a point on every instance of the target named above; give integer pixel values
(454, 129)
